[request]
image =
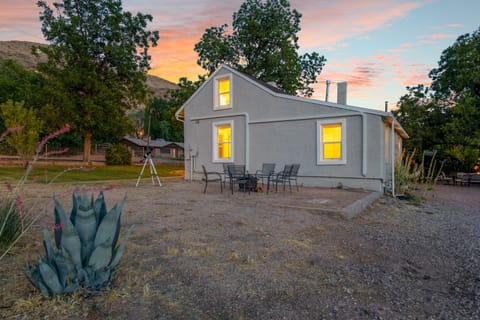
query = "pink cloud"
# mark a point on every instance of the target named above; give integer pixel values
(455, 25)
(397, 50)
(345, 19)
(436, 36)
(19, 21)
(412, 79)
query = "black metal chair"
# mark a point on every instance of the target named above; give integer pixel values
(211, 177)
(283, 177)
(225, 173)
(236, 173)
(294, 173)
(267, 170)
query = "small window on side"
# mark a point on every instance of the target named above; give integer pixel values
(331, 142)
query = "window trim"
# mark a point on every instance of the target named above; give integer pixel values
(216, 80)
(215, 126)
(320, 159)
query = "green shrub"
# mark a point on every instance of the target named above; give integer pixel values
(10, 223)
(409, 174)
(87, 251)
(118, 154)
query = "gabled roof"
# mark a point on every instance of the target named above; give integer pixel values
(277, 92)
(263, 83)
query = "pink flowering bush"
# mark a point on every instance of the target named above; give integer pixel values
(15, 217)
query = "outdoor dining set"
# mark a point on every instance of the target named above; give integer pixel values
(237, 178)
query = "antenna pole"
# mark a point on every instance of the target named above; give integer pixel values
(326, 89)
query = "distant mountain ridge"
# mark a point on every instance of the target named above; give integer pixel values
(21, 52)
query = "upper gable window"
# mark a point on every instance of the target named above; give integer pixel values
(223, 92)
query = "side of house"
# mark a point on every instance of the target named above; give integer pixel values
(234, 118)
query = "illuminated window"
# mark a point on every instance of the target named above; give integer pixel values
(223, 141)
(223, 92)
(331, 143)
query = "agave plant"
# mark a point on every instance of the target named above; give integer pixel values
(87, 251)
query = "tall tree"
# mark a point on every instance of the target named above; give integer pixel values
(97, 64)
(423, 118)
(264, 44)
(18, 84)
(458, 72)
(161, 112)
(456, 82)
(446, 116)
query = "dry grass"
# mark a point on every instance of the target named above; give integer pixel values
(218, 256)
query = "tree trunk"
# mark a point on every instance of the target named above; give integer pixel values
(87, 147)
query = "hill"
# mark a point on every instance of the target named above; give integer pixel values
(21, 52)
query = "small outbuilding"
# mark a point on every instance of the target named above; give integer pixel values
(160, 148)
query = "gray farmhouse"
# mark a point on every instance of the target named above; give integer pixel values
(235, 118)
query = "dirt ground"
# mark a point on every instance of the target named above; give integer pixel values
(277, 256)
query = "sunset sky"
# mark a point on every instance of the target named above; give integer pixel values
(378, 46)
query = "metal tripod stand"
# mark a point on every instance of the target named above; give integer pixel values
(153, 171)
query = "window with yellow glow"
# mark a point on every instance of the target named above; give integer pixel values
(223, 141)
(223, 92)
(332, 141)
(224, 138)
(331, 144)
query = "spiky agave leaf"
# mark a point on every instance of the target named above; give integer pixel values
(65, 267)
(84, 201)
(71, 243)
(49, 276)
(108, 228)
(117, 232)
(59, 218)
(119, 251)
(75, 203)
(33, 275)
(47, 244)
(102, 279)
(86, 225)
(71, 287)
(100, 207)
(101, 255)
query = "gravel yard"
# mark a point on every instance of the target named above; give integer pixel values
(277, 256)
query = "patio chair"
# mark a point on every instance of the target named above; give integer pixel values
(443, 177)
(235, 174)
(211, 177)
(225, 173)
(267, 170)
(294, 173)
(283, 177)
(462, 178)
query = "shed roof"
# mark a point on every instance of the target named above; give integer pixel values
(158, 143)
